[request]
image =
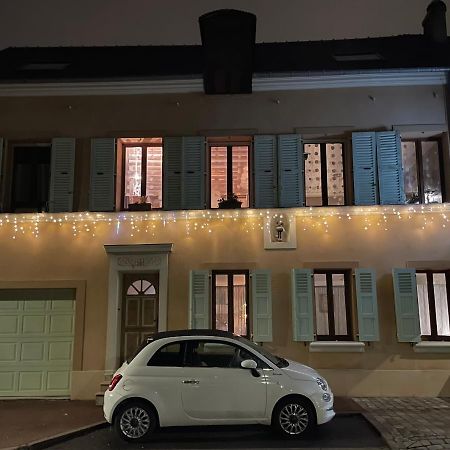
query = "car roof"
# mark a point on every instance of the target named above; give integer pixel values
(190, 333)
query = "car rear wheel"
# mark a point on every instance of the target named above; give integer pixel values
(294, 417)
(135, 421)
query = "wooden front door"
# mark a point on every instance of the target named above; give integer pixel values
(139, 310)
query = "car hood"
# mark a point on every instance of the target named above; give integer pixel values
(298, 371)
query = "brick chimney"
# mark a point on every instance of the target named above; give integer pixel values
(435, 22)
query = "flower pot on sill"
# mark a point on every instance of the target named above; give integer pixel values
(139, 207)
(230, 204)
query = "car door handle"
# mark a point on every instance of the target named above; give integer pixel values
(191, 382)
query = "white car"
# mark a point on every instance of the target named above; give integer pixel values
(203, 377)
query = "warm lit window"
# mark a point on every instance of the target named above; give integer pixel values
(142, 167)
(332, 304)
(434, 304)
(324, 174)
(229, 173)
(230, 301)
(422, 173)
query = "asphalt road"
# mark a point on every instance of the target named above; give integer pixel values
(345, 431)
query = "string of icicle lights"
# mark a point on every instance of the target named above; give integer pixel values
(319, 218)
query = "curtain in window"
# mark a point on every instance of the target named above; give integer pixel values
(422, 299)
(440, 300)
(222, 308)
(320, 294)
(240, 313)
(340, 313)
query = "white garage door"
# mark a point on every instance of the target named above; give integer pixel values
(36, 342)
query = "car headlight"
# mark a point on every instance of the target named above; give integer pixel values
(322, 383)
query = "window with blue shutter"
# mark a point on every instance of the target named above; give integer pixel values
(262, 306)
(193, 175)
(172, 168)
(366, 296)
(62, 175)
(290, 171)
(406, 306)
(199, 314)
(103, 163)
(265, 163)
(302, 305)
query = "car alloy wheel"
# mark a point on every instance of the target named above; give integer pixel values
(135, 421)
(293, 419)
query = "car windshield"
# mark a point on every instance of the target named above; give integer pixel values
(277, 360)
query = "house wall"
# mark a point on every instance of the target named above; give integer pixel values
(58, 255)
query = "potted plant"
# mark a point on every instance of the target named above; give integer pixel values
(140, 205)
(229, 201)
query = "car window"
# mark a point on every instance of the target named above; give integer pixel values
(170, 355)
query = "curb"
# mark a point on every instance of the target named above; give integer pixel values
(57, 438)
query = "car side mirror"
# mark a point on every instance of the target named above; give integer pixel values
(249, 364)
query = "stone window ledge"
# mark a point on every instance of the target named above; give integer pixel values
(432, 347)
(336, 347)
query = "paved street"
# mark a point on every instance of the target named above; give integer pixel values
(345, 431)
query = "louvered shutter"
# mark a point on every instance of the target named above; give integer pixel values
(390, 171)
(193, 179)
(172, 165)
(262, 306)
(62, 175)
(290, 171)
(302, 305)
(265, 171)
(366, 295)
(406, 306)
(365, 168)
(199, 316)
(103, 163)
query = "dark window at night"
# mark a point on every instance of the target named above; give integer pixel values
(171, 355)
(332, 300)
(422, 171)
(31, 179)
(230, 301)
(324, 174)
(433, 288)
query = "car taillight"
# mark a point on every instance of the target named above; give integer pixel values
(114, 381)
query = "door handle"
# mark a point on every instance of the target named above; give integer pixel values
(191, 382)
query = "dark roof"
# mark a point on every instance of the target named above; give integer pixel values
(178, 333)
(146, 62)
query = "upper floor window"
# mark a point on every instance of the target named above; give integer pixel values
(324, 174)
(229, 168)
(142, 172)
(433, 288)
(422, 171)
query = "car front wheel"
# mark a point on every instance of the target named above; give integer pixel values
(135, 421)
(294, 417)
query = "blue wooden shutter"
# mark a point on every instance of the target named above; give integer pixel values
(365, 168)
(366, 296)
(390, 171)
(193, 179)
(302, 305)
(265, 171)
(62, 175)
(262, 306)
(406, 306)
(291, 181)
(199, 315)
(103, 166)
(172, 168)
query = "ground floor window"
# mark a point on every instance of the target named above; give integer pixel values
(230, 301)
(433, 289)
(332, 304)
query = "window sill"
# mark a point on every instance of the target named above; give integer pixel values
(432, 347)
(336, 347)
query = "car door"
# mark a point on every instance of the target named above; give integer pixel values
(216, 388)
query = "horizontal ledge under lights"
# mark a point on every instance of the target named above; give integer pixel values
(432, 347)
(336, 347)
(234, 214)
(261, 83)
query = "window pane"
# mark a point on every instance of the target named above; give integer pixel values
(240, 174)
(431, 172)
(424, 306)
(335, 174)
(154, 177)
(239, 305)
(441, 304)
(411, 182)
(321, 301)
(221, 302)
(218, 175)
(133, 175)
(313, 173)
(169, 356)
(212, 354)
(340, 313)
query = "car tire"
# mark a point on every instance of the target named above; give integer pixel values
(135, 421)
(294, 417)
